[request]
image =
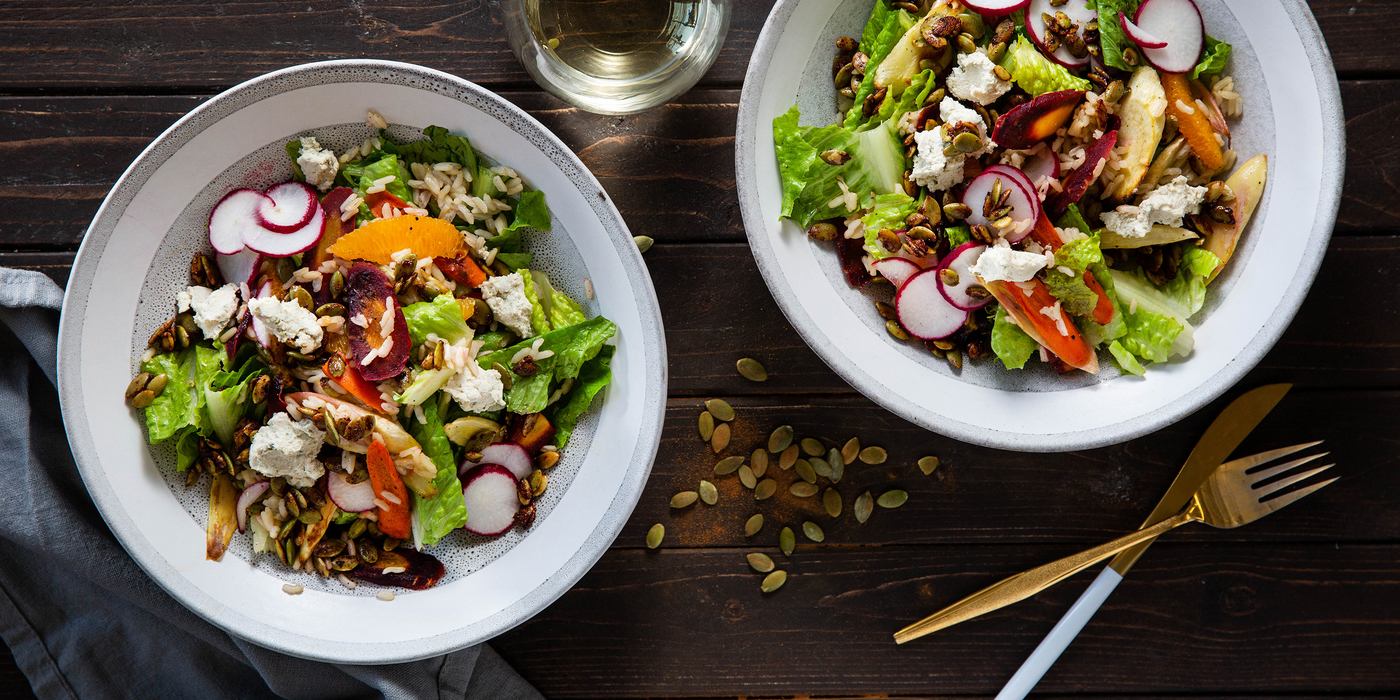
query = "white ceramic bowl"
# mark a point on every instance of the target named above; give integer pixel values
(1292, 112)
(136, 256)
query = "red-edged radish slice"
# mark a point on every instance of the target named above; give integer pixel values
(996, 7)
(279, 245)
(896, 270)
(1078, 12)
(241, 267)
(1025, 205)
(1179, 24)
(960, 261)
(259, 330)
(351, 498)
(1043, 164)
(288, 207)
(509, 455)
(1136, 33)
(924, 311)
(491, 498)
(234, 219)
(246, 497)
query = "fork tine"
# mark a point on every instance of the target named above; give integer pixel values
(1281, 501)
(1285, 483)
(1271, 471)
(1246, 463)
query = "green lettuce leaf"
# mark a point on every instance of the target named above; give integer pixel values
(592, 377)
(539, 320)
(186, 448)
(442, 315)
(879, 16)
(893, 26)
(515, 261)
(1112, 39)
(559, 309)
(434, 517)
(1009, 342)
(426, 382)
(1037, 74)
(1212, 59)
(1188, 288)
(889, 211)
(1150, 335)
(877, 164)
(910, 99)
(1125, 359)
(436, 146)
(1078, 255)
(795, 157)
(530, 211)
(572, 347)
(492, 340)
(388, 164)
(182, 403)
(508, 241)
(294, 152)
(958, 235)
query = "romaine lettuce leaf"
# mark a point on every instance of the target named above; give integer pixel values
(572, 347)
(1078, 255)
(889, 211)
(876, 165)
(515, 261)
(442, 315)
(387, 165)
(958, 235)
(539, 320)
(912, 98)
(294, 152)
(182, 403)
(1150, 335)
(1213, 58)
(1037, 74)
(1112, 39)
(795, 156)
(1125, 359)
(559, 309)
(592, 377)
(1011, 344)
(1189, 286)
(426, 382)
(436, 146)
(529, 211)
(893, 26)
(434, 517)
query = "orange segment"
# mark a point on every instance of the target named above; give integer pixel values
(1194, 125)
(378, 240)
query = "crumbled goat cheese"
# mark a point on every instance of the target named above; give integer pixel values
(974, 79)
(286, 449)
(953, 112)
(318, 165)
(1168, 204)
(1004, 264)
(290, 322)
(477, 389)
(212, 308)
(506, 297)
(932, 168)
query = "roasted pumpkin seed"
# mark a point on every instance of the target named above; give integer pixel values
(538, 483)
(874, 455)
(787, 541)
(707, 426)
(834, 458)
(865, 505)
(788, 457)
(812, 447)
(753, 525)
(138, 383)
(655, 535)
(643, 243)
(684, 499)
(773, 581)
(838, 470)
(813, 531)
(802, 489)
(752, 370)
(720, 410)
(758, 461)
(850, 450)
(747, 478)
(720, 439)
(760, 562)
(805, 471)
(357, 528)
(708, 493)
(892, 499)
(831, 500)
(928, 464)
(821, 467)
(896, 330)
(330, 309)
(765, 489)
(728, 465)
(143, 399)
(780, 439)
(886, 311)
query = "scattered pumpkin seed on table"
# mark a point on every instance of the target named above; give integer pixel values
(874, 455)
(684, 498)
(751, 370)
(831, 500)
(765, 489)
(773, 581)
(720, 440)
(802, 489)
(805, 471)
(865, 505)
(746, 477)
(720, 410)
(788, 457)
(654, 535)
(708, 493)
(813, 447)
(813, 531)
(928, 464)
(838, 466)
(780, 439)
(728, 465)
(643, 243)
(760, 562)
(787, 541)
(892, 499)
(758, 461)
(821, 467)
(707, 426)
(850, 450)
(754, 524)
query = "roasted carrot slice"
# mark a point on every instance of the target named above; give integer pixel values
(462, 270)
(1044, 234)
(351, 381)
(1029, 312)
(394, 518)
(1192, 121)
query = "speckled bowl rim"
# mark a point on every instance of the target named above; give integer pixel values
(652, 342)
(1334, 160)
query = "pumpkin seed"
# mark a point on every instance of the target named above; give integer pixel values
(834, 458)
(813, 531)
(747, 478)
(821, 467)
(684, 498)
(330, 309)
(707, 426)
(728, 465)
(357, 528)
(802, 489)
(765, 489)
(720, 440)
(892, 499)
(787, 541)
(850, 450)
(773, 581)
(506, 381)
(780, 439)
(760, 562)
(896, 330)
(838, 470)
(812, 447)
(758, 461)
(138, 383)
(753, 525)
(643, 243)
(788, 457)
(805, 471)
(143, 399)
(967, 142)
(928, 464)
(864, 506)
(708, 493)
(874, 455)
(720, 410)
(831, 500)
(752, 370)
(886, 311)
(300, 296)
(654, 535)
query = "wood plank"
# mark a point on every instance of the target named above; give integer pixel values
(1209, 619)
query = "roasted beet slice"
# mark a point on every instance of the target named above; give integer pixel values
(531, 432)
(419, 570)
(368, 292)
(1079, 180)
(851, 250)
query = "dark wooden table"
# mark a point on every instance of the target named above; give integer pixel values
(1305, 603)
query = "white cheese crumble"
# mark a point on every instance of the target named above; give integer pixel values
(212, 308)
(289, 322)
(506, 297)
(932, 168)
(318, 165)
(953, 112)
(974, 79)
(999, 263)
(1168, 204)
(287, 449)
(476, 389)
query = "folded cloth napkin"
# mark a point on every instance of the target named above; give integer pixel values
(81, 617)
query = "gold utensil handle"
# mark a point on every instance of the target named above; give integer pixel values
(1028, 583)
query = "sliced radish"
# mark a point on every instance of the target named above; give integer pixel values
(1138, 35)
(241, 267)
(1025, 205)
(924, 311)
(280, 245)
(996, 7)
(259, 330)
(234, 219)
(491, 498)
(246, 498)
(509, 455)
(351, 498)
(288, 207)
(896, 270)
(1078, 12)
(960, 261)
(1179, 24)
(1042, 165)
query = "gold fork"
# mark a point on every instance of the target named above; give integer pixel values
(1228, 499)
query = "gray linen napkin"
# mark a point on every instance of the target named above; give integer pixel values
(81, 617)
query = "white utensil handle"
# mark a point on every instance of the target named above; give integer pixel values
(1059, 638)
